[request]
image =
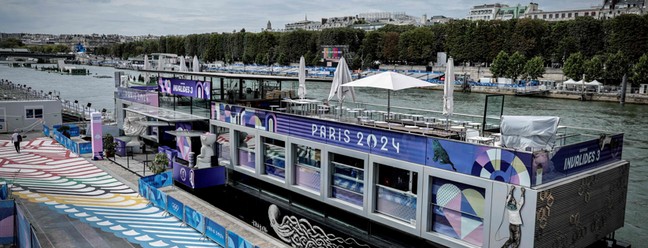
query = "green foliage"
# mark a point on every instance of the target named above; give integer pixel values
(109, 146)
(11, 43)
(159, 164)
(616, 66)
(534, 68)
(500, 66)
(516, 65)
(417, 45)
(574, 66)
(640, 71)
(594, 68)
(282, 60)
(465, 41)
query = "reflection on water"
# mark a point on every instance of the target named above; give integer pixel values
(630, 119)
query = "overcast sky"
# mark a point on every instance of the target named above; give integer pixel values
(169, 17)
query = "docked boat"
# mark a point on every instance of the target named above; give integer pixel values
(354, 175)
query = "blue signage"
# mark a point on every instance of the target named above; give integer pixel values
(232, 239)
(183, 87)
(157, 197)
(175, 207)
(215, 232)
(370, 140)
(199, 178)
(85, 148)
(194, 219)
(46, 130)
(143, 189)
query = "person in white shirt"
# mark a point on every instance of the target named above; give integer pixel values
(515, 220)
(16, 138)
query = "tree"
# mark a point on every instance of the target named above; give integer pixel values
(594, 68)
(534, 68)
(640, 71)
(500, 64)
(11, 43)
(516, 65)
(574, 66)
(616, 66)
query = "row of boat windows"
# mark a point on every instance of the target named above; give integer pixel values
(395, 192)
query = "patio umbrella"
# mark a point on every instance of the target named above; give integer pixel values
(147, 66)
(448, 88)
(183, 64)
(301, 92)
(389, 81)
(160, 65)
(196, 64)
(146, 62)
(342, 75)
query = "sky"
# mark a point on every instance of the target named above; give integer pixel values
(173, 17)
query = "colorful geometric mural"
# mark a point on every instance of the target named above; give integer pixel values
(46, 173)
(458, 210)
(501, 165)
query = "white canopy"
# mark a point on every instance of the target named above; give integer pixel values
(594, 83)
(529, 132)
(570, 81)
(389, 81)
(301, 92)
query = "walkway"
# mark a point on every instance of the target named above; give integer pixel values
(48, 176)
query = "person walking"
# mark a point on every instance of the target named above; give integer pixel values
(16, 138)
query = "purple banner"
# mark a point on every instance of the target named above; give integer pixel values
(138, 96)
(183, 142)
(7, 220)
(471, 159)
(183, 87)
(199, 178)
(482, 161)
(577, 157)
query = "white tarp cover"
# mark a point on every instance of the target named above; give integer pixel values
(301, 91)
(529, 132)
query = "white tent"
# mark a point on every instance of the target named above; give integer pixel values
(389, 81)
(301, 91)
(146, 63)
(160, 66)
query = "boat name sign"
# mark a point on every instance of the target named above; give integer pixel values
(360, 139)
(582, 158)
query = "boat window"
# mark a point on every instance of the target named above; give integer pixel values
(223, 145)
(396, 193)
(245, 144)
(274, 158)
(453, 205)
(307, 167)
(347, 178)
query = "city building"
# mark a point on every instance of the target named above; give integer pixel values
(563, 15)
(613, 8)
(485, 12)
(438, 19)
(304, 25)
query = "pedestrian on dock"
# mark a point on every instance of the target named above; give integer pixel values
(16, 138)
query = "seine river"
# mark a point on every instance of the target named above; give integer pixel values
(629, 119)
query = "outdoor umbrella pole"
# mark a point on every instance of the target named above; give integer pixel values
(388, 104)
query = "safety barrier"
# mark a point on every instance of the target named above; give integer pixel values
(148, 188)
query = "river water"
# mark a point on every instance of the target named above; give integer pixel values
(629, 119)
